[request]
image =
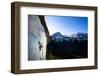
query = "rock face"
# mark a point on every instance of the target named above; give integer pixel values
(37, 39)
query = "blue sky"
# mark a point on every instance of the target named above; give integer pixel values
(66, 25)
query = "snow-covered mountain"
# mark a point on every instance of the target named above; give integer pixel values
(80, 36)
(59, 37)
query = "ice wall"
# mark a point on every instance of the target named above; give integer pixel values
(36, 39)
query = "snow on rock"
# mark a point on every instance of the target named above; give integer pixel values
(36, 39)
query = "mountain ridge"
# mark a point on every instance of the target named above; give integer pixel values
(78, 36)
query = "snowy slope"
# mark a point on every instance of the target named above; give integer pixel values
(59, 37)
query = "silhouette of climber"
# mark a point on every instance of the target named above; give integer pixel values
(40, 45)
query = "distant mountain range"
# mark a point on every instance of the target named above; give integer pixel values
(68, 47)
(59, 37)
